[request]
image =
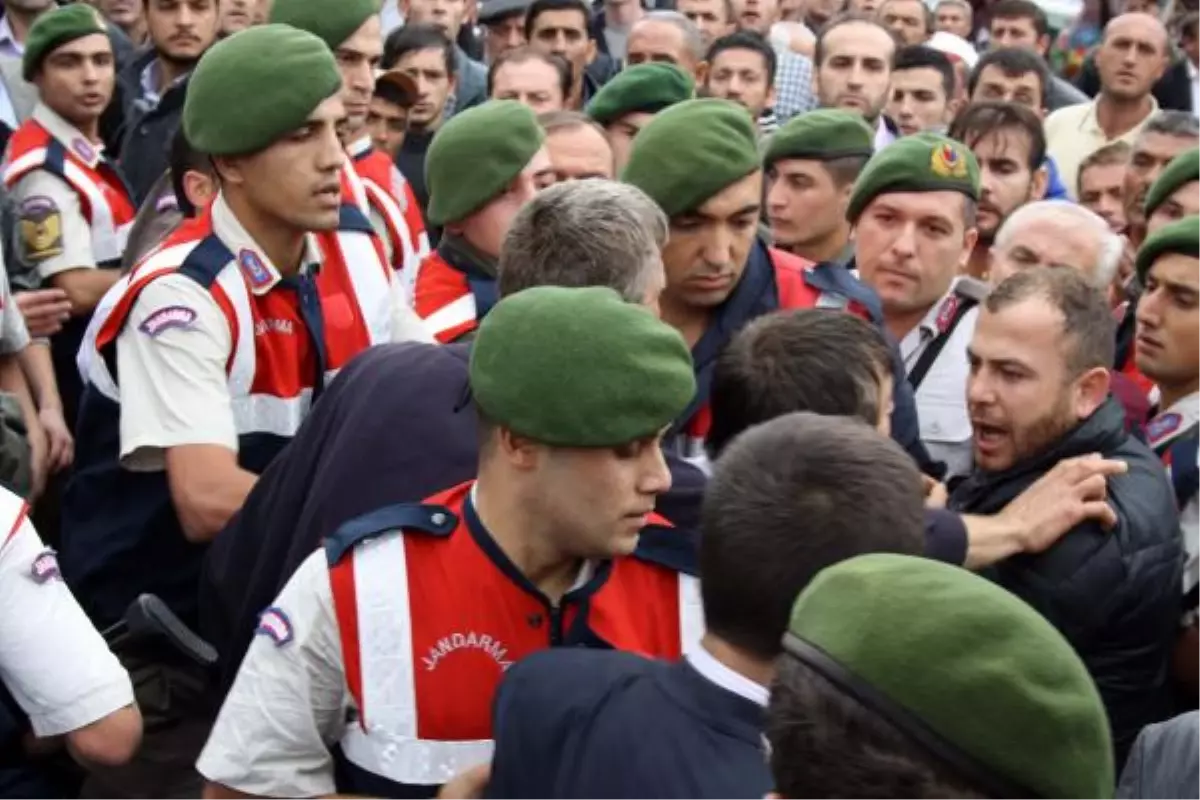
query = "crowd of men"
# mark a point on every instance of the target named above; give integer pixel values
(527, 398)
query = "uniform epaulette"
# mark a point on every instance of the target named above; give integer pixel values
(352, 219)
(972, 289)
(667, 546)
(405, 517)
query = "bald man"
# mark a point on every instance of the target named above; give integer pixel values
(1131, 58)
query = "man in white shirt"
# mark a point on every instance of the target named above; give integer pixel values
(1131, 58)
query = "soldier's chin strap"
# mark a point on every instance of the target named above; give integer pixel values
(978, 775)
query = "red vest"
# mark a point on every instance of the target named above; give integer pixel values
(273, 364)
(103, 198)
(442, 298)
(429, 620)
(390, 196)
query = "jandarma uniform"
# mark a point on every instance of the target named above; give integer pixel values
(205, 342)
(371, 653)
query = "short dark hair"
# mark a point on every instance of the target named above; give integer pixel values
(538, 7)
(1089, 332)
(181, 158)
(410, 39)
(812, 725)
(787, 499)
(781, 363)
(918, 56)
(522, 54)
(845, 19)
(927, 12)
(1111, 154)
(979, 120)
(1013, 62)
(1022, 9)
(746, 40)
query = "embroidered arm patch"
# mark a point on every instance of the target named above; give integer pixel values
(167, 318)
(275, 625)
(40, 225)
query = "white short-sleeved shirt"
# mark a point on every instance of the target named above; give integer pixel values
(942, 395)
(52, 660)
(289, 703)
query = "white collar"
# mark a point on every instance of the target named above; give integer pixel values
(8, 37)
(68, 135)
(261, 274)
(359, 147)
(715, 672)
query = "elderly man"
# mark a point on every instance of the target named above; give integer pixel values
(1056, 233)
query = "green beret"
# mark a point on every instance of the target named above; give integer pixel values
(476, 154)
(691, 151)
(981, 670)
(820, 136)
(1183, 169)
(579, 368)
(334, 22)
(924, 162)
(239, 102)
(648, 88)
(1181, 236)
(56, 28)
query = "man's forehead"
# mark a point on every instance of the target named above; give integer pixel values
(1014, 22)
(424, 57)
(863, 38)
(993, 72)
(919, 75)
(904, 6)
(1162, 145)
(1178, 269)
(85, 46)
(1055, 239)
(1139, 27)
(738, 56)
(918, 205)
(1002, 143)
(560, 19)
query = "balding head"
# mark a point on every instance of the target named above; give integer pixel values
(666, 36)
(1056, 233)
(1132, 57)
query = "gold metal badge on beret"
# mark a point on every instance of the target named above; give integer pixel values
(947, 162)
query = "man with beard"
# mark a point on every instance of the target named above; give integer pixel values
(154, 85)
(352, 31)
(852, 70)
(1008, 143)
(1039, 393)
(913, 209)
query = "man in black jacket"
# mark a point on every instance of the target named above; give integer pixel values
(1039, 393)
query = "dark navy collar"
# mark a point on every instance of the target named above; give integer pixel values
(719, 707)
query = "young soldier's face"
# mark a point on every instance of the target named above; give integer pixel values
(296, 180)
(708, 247)
(357, 58)
(1185, 202)
(1167, 347)
(76, 79)
(804, 204)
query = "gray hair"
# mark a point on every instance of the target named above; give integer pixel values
(1072, 215)
(591, 232)
(691, 34)
(1173, 123)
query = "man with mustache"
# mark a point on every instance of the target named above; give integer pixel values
(1038, 393)
(699, 161)
(154, 85)
(914, 210)
(1007, 141)
(205, 360)
(852, 70)
(353, 32)
(1131, 58)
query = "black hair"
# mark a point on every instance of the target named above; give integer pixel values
(411, 38)
(787, 499)
(520, 55)
(1013, 62)
(746, 40)
(1023, 9)
(181, 158)
(538, 7)
(918, 56)
(978, 120)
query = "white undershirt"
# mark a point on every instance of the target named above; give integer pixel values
(716, 672)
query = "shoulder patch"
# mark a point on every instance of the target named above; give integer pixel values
(972, 289)
(275, 625)
(1162, 426)
(40, 224)
(167, 318)
(45, 567)
(405, 517)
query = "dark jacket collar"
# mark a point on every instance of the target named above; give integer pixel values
(722, 708)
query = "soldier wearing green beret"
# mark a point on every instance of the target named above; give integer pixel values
(812, 163)
(554, 543)
(889, 683)
(483, 165)
(1176, 192)
(353, 32)
(913, 212)
(699, 160)
(1165, 351)
(73, 209)
(629, 101)
(203, 363)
